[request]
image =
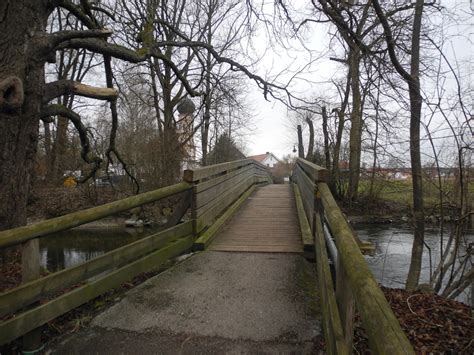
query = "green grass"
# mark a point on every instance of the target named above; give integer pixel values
(401, 192)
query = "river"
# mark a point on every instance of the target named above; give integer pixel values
(391, 260)
(69, 248)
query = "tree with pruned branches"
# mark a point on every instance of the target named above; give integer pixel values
(26, 97)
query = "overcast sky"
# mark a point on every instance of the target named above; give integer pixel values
(274, 132)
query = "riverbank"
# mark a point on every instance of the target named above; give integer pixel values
(368, 211)
(49, 202)
(433, 324)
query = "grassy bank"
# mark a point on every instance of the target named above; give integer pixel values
(396, 196)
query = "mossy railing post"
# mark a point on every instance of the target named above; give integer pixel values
(30, 270)
(193, 207)
(334, 331)
(344, 297)
(345, 303)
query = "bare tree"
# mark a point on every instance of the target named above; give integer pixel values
(25, 96)
(412, 79)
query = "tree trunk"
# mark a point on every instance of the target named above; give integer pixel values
(327, 156)
(205, 126)
(374, 162)
(310, 152)
(47, 147)
(340, 130)
(415, 155)
(300, 142)
(22, 23)
(207, 97)
(171, 157)
(356, 125)
(156, 95)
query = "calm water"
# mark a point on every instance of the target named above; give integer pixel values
(65, 249)
(391, 261)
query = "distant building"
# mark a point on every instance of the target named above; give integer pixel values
(268, 159)
(400, 175)
(343, 165)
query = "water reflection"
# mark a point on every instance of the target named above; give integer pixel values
(65, 249)
(393, 244)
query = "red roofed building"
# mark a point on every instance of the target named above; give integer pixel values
(268, 159)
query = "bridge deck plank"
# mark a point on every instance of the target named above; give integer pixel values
(267, 222)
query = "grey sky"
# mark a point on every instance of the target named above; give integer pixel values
(274, 131)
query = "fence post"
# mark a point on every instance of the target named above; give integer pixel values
(344, 297)
(30, 270)
(345, 303)
(333, 328)
(192, 206)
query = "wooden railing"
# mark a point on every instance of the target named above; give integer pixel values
(354, 286)
(212, 193)
(216, 189)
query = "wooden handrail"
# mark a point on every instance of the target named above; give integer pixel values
(22, 234)
(353, 274)
(27, 293)
(214, 189)
(384, 331)
(331, 315)
(193, 175)
(205, 172)
(315, 172)
(35, 317)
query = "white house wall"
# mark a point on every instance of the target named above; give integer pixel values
(270, 161)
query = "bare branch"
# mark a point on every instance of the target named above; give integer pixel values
(460, 285)
(390, 42)
(234, 66)
(67, 87)
(340, 60)
(57, 38)
(113, 132)
(102, 47)
(121, 52)
(77, 11)
(86, 154)
(104, 11)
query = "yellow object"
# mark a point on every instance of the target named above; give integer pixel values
(70, 182)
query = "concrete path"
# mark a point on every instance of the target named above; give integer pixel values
(213, 302)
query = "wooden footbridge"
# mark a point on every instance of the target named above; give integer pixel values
(226, 207)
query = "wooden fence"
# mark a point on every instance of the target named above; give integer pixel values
(212, 193)
(354, 286)
(216, 188)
